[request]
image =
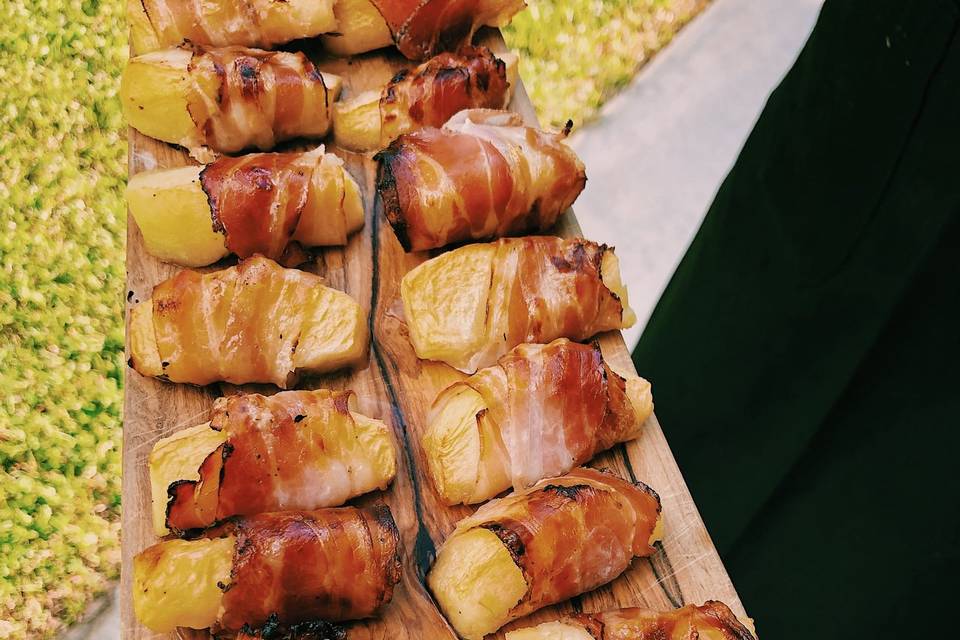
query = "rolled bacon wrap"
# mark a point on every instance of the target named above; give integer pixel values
(540, 411)
(260, 98)
(292, 450)
(487, 174)
(421, 28)
(254, 322)
(470, 306)
(286, 568)
(710, 621)
(565, 536)
(257, 201)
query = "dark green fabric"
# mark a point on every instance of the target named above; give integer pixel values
(805, 355)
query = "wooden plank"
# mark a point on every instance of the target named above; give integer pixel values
(397, 387)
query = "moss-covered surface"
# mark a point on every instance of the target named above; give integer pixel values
(574, 54)
(62, 226)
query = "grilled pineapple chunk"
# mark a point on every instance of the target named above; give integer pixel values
(144, 352)
(178, 457)
(175, 583)
(360, 28)
(173, 212)
(476, 582)
(551, 631)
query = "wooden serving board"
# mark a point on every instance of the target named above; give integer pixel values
(398, 388)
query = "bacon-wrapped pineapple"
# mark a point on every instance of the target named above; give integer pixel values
(426, 96)
(266, 203)
(226, 99)
(155, 24)
(710, 621)
(292, 450)
(560, 538)
(470, 306)
(329, 564)
(419, 28)
(253, 322)
(539, 412)
(487, 175)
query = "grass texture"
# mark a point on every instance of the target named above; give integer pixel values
(62, 230)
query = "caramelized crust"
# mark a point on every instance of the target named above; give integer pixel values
(570, 534)
(441, 87)
(710, 621)
(254, 98)
(487, 174)
(292, 450)
(329, 564)
(422, 28)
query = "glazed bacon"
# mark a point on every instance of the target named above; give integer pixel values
(712, 620)
(572, 533)
(329, 564)
(254, 98)
(487, 174)
(220, 23)
(292, 450)
(441, 87)
(422, 28)
(257, 200)
(254, 322)
(554, 407)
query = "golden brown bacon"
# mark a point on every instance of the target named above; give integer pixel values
(441, 87)
(328, 564)
(422, 28)
(254, 98)
(567, 535)
(292, 450)
(257, 200)
(552, 407)
(488, 175)
(710, 621)
(252, 23)
(254, 322)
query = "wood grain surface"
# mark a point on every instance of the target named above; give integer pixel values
(398, 388)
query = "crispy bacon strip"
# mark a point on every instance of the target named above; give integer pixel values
(330, 564)
(710, 621)
(257, 200)
(487, 174)
(251, 23)
(254, 98)
(254, 322)
(554, 407)
(292, 450)
(422, 28)
(441, 87)
(572, 533)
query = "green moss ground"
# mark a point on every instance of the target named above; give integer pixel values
(62, 229)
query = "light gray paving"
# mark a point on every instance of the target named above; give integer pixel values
(660, 149)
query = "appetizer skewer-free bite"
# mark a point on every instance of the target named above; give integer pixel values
(329, 564)
(253, 322)
(156, 24)
(226, 99)
(560, 538)
(470, 306)
(710, 621)
(426, 96)
(539, 412)
(292, 450)
(419, 28)
(260, 203)
(487, 175)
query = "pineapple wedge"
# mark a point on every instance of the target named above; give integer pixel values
(175, 583)
(551, 631)
(360, 28)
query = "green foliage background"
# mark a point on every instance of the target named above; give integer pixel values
(62, 230)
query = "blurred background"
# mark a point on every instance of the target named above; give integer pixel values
(663, 94)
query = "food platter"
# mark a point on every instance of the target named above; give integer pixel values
(398, 388)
